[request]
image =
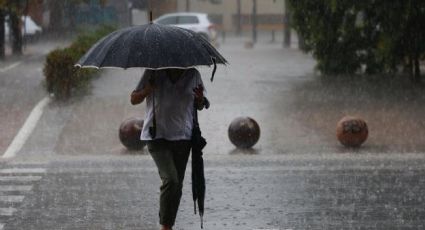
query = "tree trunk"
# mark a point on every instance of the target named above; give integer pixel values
(2, 34)
(238, 19)
(187, 5)
(16, 34)
(56, 15)
(301, 42)
(417, 70)
(72, 13)
(409, 66)
(287, 26)
(254, 21)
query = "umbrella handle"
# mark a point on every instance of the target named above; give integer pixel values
(150, 11)
(214, 69)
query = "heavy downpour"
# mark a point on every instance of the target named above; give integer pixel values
(212, 114)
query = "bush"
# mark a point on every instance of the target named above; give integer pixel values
(62, 79)
(351, 36)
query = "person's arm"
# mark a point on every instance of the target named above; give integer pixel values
(143, 89)
(139, 96)
(200, 100)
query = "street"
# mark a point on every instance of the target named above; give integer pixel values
(73, 173)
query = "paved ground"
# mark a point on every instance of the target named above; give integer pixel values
(73, 173)
(310, 192)
(21, 88)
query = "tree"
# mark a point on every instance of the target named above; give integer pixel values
(56, 14)
(15, 9)
(2, 34)
(15, 29)
(347, 36)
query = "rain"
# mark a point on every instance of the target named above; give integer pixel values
(296, 67)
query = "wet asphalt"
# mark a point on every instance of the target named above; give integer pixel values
(79, 176)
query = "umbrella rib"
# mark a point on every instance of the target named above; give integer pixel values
(123, 33)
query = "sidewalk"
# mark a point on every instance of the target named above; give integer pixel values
(21, 87)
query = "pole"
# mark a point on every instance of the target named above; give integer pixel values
(239, 19)
(130, 13)
(150, 11)
(254, 21)
(2, 34)
(187, 5)
(286, 25)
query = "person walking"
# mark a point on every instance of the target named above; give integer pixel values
(171, 97)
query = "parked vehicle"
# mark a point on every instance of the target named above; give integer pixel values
(198, 22)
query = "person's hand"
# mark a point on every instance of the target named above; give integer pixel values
(149, 87)
(199, 96)
(138, 96)
(199, 92)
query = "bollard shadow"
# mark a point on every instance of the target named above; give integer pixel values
(354, 150)
(244, 151)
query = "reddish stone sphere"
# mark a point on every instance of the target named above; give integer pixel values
(351, 131)
(129, 133)
(244, 132)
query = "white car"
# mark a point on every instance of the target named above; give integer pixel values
(197, 22)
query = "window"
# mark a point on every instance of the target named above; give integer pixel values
(188, 20)
(171, 20)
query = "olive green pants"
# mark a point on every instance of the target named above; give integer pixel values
(171, 159)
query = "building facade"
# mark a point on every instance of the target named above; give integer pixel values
(229, 15)
(234, 15)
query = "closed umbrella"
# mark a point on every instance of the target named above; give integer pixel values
(198, 177)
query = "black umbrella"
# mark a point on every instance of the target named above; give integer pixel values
(152, 46)
(198, 177)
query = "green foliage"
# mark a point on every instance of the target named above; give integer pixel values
(351, 36)
(83, 42)
(62, 78)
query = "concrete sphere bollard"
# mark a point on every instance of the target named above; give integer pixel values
(244, 132)
(351, 131)
(129, 133)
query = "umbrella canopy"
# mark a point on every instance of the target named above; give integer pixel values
(151, 46)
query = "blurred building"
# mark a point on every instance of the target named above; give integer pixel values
(230, 15)
(140, 9)
(53, 14)
(234, 15)
(111, 12)
(35, 11)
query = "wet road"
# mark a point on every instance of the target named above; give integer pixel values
(244, 192)
(74, 174)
